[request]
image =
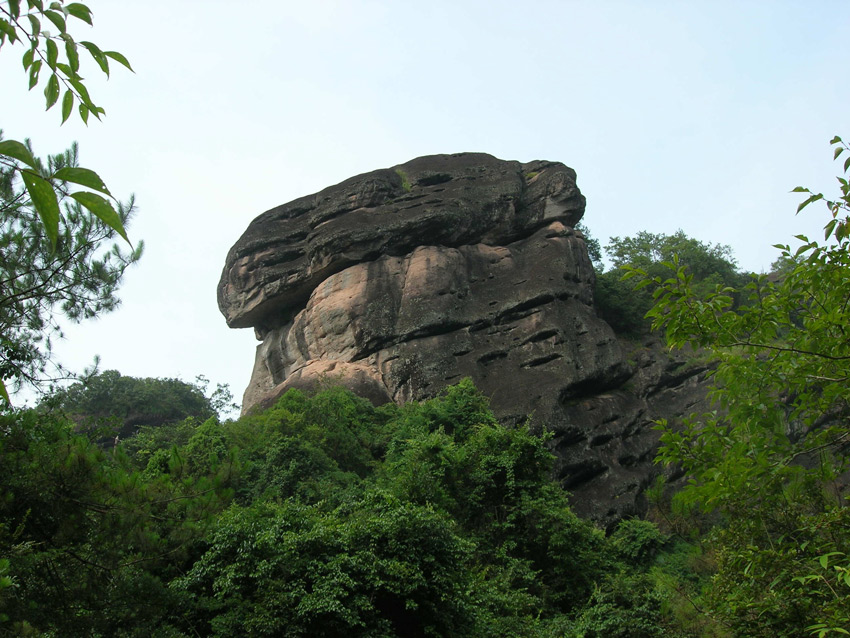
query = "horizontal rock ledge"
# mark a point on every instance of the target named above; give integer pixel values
(445, 200)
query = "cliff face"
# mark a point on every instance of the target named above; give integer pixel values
(402, 281)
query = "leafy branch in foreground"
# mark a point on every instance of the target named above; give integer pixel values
(55, 52)
(42, 51)
(771, 456)
(76, 274)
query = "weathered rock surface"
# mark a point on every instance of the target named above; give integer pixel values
(402, 281)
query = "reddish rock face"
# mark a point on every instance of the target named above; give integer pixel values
(400, 282)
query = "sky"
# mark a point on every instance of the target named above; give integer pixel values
(700, 116)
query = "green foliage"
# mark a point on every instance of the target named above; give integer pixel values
(771, 456)
(129, 402)
(625, 308)
(620, 306)
(53, 260)
(622, 607)
(494, 481)
(379, 568)
(89, 544)
(55, 51)
(594, 248)
(405, 182)
(75, 276)
(637, 541)
(322, 516)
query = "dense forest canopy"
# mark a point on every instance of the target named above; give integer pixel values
(323, 516)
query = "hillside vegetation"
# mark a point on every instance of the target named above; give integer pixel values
(323, 516)
(128, 507)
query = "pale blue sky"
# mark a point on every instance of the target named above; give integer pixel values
(693, 115)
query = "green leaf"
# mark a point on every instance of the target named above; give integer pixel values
(71, 52)
(57, 19)
(79, 11)
(8, 29)
(801, 189)
(51, 91)
(118, 58)
(4, 393)
(827, 230)
(16, 150)
(44, 200)
(103, 210)
(835, 140)
(838, 151)
(84, 113)
(67, 105)
(34, 69)
(36, 28)
(27, 58)
(811, 199)
(846, 164)
(52, 53)
(82, 91)
(83, 177)
(15, 8)
(97, 55)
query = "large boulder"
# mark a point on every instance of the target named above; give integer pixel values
(402, 281)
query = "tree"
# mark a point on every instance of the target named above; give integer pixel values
(594, 249)
(34, 194)
(133, 402)
(379, 568)
(623, 308)
(90, 545)
(76, 277)
(771, 457)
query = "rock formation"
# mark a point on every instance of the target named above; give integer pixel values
(399, 282)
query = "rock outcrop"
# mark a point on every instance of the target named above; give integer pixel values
(402, 281)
